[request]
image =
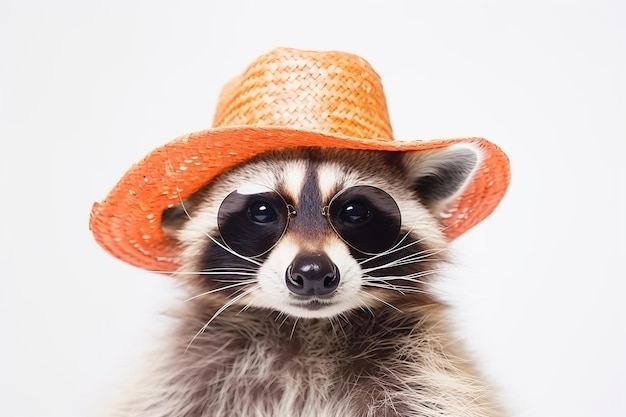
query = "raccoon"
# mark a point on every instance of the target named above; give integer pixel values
(308, 276)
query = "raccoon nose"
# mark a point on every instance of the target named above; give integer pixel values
(312, 274)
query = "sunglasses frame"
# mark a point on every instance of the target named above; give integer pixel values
(291, 211)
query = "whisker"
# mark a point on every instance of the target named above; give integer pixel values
(399, 247)
(215, 290)
(285, 318)
(384, 302)
(395, 248)
(232, 252)
(332, 324)
(384, 282)
(402, 289)
(293, 329)
(220, 311)
(413, 277)
(221, 245)
(246, 307)
(335, 320)
(410, 277)
(235, 273)
(344, 318)
(363, 305)
(230, 269)
(405, 260)
(384, 285)
(418, 256)
(231, 281)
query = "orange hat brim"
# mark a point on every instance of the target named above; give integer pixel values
(127, 223)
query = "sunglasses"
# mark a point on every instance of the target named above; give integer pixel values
(252, 219)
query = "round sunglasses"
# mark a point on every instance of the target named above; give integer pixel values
(252, 219)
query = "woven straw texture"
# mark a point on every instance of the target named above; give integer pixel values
(286, 98)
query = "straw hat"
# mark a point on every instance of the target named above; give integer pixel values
(286, 98)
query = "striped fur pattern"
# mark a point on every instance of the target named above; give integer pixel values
(379, 345)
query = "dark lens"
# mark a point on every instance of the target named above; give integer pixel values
(251, 220)
(366, 218)
(354, 212)
(262, 212)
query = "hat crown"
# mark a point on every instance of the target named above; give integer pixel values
(328, 92)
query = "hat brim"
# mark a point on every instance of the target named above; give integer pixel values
(127, 223)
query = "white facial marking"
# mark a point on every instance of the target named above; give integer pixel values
(292, 178)
(332, 175)
(273, 292)
(251, 189)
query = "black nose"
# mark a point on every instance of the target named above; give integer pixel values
(312, 274)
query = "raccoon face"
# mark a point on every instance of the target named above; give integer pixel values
(316, 233)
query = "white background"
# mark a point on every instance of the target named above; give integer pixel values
(88, 88)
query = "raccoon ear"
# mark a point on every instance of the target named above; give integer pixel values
(440, 175)
(173, 219)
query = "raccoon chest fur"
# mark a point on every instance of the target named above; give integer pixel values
(368, 363)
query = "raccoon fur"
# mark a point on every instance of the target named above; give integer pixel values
(301, 321)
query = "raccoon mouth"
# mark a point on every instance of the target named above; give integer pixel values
(313, 305)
